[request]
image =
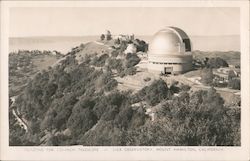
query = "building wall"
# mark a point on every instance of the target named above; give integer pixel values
(179, 63)
(177, 68)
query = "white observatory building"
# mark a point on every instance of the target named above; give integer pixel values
(170, 52)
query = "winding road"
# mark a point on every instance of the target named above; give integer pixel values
(20, 121)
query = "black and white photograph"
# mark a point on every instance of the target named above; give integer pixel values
(122, 79)
(123, 76)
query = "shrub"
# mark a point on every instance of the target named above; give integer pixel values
(155, 93)
(147, 79)
(130, 71)
(114, 53)
(111, 85)
(100, 61)
(141, 45)
(185, 87)
(122, 74)
(115, 64)
(131, 60)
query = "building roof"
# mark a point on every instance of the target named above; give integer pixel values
(182, 34)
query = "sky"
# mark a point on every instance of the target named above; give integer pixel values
(41, 21)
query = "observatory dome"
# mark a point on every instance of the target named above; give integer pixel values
(164, 42)
(169, 51)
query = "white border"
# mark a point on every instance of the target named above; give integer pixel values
(111, 153)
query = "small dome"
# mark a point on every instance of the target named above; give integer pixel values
(169, 40)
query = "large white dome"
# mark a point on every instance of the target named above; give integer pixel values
(165, 41)
(170, 40)
(169, 51)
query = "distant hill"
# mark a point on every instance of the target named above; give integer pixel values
(60, 43)
(216, 43)
(232, 57)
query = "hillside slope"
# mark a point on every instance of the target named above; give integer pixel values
(24, 65)
(77, 102)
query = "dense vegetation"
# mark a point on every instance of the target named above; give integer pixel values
(213, 62)
(24, 64)
(72, 104)
(216, 62)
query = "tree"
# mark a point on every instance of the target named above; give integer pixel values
(141, 45)
(117, 41)
(156, 92)
(131, 60)
(234, 83)
(81, 120)
(123, 46)
(207, 76)
(231, 75)
(108, 35)
(102, 37)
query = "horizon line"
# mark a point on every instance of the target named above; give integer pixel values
(35, 36)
